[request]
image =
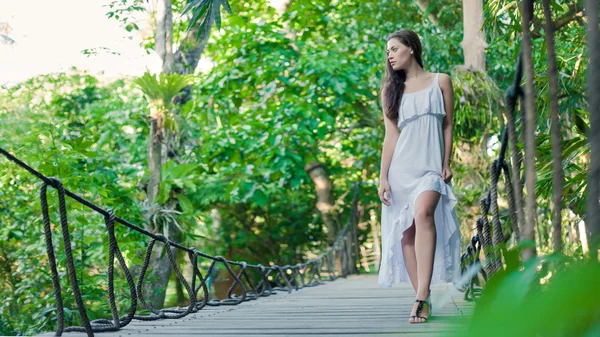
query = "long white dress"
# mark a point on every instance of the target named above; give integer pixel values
(416, 167)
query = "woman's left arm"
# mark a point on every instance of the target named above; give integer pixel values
(448, 93)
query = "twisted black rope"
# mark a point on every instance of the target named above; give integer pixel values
(67, 247)
(492, 240)
(242, 281)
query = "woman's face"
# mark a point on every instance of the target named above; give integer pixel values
(398, 54)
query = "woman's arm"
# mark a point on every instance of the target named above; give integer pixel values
(389, 145)
(448, 93)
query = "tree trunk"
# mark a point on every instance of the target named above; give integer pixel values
(181, 259)
(155, 160)
(376, 233)
(473, 42)
(555, 131)
(325, 199)
(529, 136)
(164, 34)
(184, 61)
(593, 218)
(189, 52)
(353, 249)
(160, 267)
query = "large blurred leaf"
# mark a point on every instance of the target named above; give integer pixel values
(551, 296)
(208, 12)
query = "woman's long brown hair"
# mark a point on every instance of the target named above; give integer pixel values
(392, 85)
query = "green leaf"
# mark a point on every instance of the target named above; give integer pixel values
(198, 13)
(206, 23)
(193, 4)
(216, 11)
(225, 4)
(579, 122)
(186, 204)
(260, 198)
(160, 90)
(163, 194)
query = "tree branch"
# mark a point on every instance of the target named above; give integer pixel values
(189, 51)
(575, 13)
(369, 118)
(423, 4)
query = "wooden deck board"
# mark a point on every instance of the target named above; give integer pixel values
(354, 306)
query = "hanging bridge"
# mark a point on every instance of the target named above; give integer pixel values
(324, 296)
(319, 297)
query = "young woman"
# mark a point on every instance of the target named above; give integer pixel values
(421, 239)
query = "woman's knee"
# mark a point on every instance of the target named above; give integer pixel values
(424, 216)
(425, 208)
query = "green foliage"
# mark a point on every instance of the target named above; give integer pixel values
(503, 26)
(123, 11)
(160, 89)
(285, 91)
(92, 137)
(208, 11)
(478, 105)
(548, 296)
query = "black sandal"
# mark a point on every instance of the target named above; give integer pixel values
(418, 313)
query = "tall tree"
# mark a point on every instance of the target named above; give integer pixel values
(160, 95)
(554, 130)
(473, 42)
(163, 37)
(594, 136)
(528, 232)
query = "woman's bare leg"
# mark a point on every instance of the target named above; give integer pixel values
(425, 239)
(409, 254)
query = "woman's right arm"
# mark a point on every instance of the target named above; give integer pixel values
(389, 145)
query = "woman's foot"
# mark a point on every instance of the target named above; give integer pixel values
(420, 312)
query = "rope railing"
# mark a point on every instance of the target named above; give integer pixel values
(491, 240)
(301, 275)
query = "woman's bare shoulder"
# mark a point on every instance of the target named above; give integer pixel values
(445, 81)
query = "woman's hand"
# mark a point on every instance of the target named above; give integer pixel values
(446, 174)
(385, 193)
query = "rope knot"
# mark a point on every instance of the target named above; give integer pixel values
(110, 217)
(55, 182)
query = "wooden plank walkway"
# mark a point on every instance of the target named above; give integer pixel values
(354, 306)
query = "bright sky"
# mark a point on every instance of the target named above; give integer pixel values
(50, 36)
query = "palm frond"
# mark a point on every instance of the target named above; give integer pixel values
(205, 13)
(161, 89)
